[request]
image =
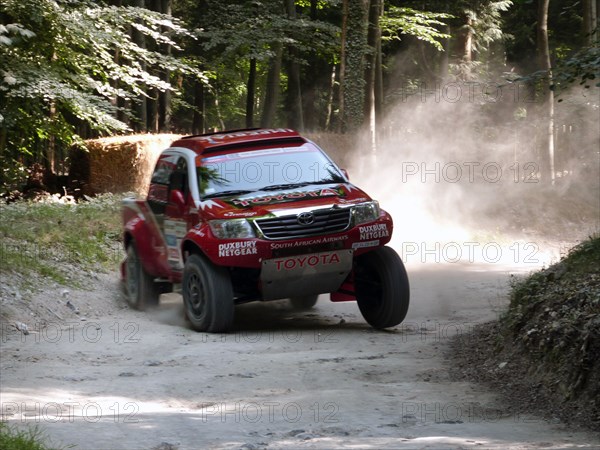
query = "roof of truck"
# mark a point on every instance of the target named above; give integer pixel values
(239, 139)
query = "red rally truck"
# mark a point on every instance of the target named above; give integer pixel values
(258, 215)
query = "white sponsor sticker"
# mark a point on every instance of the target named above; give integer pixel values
(368, 232)
(240, 213)
(175, 230)
(365, 244)
(240, 248)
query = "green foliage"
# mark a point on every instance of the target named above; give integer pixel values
(254, 27)
(585, 257)
(59, 67)
(12, 438)
(486, 21)
(583, 67)
(236, 31)
(321, 4)
(421, 24)
(67, 66)
(564, 32)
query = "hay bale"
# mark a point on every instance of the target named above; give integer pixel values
(118, 163)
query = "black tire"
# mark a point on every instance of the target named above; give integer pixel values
(141, 291)
(305, 302)
(382, 289)
(207, 295)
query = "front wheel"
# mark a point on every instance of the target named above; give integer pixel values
(140, 289)
(303, 303)
(381, 286)
(207, 295)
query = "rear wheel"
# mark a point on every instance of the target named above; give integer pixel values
(305, 302)
(140, 289)
(382, 288)
(207, 295)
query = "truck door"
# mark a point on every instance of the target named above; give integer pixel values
(177, 212)
(159, 187)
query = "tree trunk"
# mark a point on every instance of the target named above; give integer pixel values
(51, 144)
(547, 96)
(353, 78)
(152, 110)
(153, 93)
(445, 57)
(590, 22)
(250, 88)
(371, 56)
(218, 108)
(468, 42)
(314, 8)
(595, 11)
(330, 99)
(198, 123)
(3, 139)
(341, 77)
(140, 104)
(164, 98)
(371, 60)
(164, 106)
(379, 71)
(467, 47)
(294, 92)
(272, 88)
(295, 113)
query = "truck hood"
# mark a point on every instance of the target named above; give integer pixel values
(262, 203)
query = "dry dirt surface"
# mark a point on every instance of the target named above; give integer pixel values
(97, 375)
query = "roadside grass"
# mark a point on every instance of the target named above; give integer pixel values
(14, 439)
(55, 239)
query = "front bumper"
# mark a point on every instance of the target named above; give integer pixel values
(307, 274)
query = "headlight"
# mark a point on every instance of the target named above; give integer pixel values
(366, 212)
(232, 229)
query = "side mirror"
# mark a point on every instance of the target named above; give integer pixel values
(345, 172)
(176, 205)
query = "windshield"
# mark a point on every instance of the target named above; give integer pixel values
(267, 169)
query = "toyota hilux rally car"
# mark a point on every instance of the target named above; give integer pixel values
(258, 215)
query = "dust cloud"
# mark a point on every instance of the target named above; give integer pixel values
(461, 169)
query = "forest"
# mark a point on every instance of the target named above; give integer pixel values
(475, 123)
(77, 69)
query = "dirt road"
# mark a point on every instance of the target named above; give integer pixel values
(112, 378)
